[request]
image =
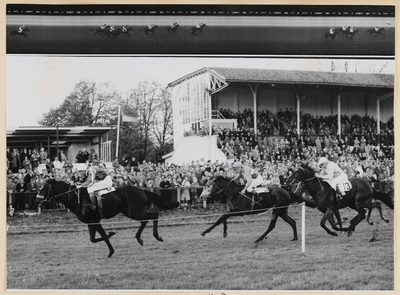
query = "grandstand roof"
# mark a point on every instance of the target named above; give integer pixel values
(232, 75)
(28, 135)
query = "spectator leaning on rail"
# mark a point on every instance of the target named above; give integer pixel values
(97, 179)
(332, 174)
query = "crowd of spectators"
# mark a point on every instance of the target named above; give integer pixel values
(276, 157)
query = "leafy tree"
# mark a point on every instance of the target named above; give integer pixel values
(90, 104)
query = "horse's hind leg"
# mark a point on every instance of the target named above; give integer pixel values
(155, 231)
(379, 207)
(292, 223)
(270, 227)
(139, 232)
(104, 236)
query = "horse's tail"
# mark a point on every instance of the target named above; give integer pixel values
(387, 197)
(159, 202)
(299, 199)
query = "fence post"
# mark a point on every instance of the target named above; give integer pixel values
(303, 227)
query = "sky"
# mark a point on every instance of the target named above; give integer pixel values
(35, 84)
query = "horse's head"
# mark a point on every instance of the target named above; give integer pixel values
(302, 173)
(220, 185)
(45, 193)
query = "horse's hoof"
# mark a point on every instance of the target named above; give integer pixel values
(159, 239)
(111, 253)
(370, 223)
(334, 234)
(386, 220)
(349, 233)
(256, 244)
(140, 242)
(203, 234)
(111, 234)
(294, 239)
(225, 235)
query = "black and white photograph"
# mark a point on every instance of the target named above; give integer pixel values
(200, 148)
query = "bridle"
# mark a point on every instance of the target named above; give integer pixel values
(51, 196)
(309, 179)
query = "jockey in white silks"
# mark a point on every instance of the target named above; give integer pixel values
(256, 182)
(377, 28)
(125, 29)
(97, 179)
(332, 174)
(351, 29)
(21, 29)
(150, 26)
(103, 26)
(331, 31)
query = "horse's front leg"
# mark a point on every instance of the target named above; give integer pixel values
(270, 228)
(223, 219)
(356, 220)
(327, 215)
(104, 237)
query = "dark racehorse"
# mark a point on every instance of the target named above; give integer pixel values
(101, 31)
(352, 34)
(238, 204)
(118, 32)
(173, 29)
(196, 29)
(327, 35)
(131, 201)
(379, 32)
(17, 32)
(361, 196)
(148, 31)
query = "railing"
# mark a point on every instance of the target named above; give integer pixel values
(215, 114)
(27, 200)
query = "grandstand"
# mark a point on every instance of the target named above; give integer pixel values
(200, 98)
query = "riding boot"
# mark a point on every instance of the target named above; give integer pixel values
(93, 200)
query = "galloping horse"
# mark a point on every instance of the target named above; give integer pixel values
(378, 32)
(238, 204)
(131, 201)
(17, 32)
(326, 35)
(173, 29)
(146, 30)
(101, 31)
(352, 34)
(359, 197)
(118, 32)
(197, 28)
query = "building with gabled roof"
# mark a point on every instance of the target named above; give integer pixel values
(198, 96)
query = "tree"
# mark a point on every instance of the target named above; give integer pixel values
(90, 104)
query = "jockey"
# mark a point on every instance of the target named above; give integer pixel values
(332, 174)
(21, 29)
(112, 28)
(256, 181)
(150, 26)
(344, 28)
(377, 28)
(125, 29)
(199, 25)
(103, 26)
(331, 31)
(351, 29)
(97, 179)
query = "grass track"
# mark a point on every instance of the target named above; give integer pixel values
(188, 261)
